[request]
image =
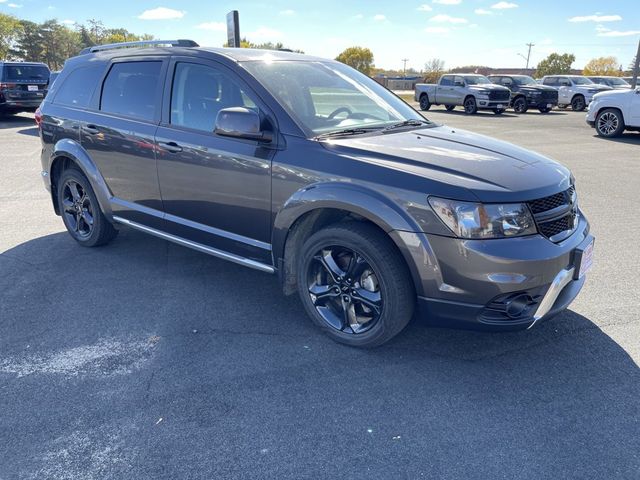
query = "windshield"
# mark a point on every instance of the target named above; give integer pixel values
(581, 81)
(26, 72)
(330, 97)
(476, 80)
(617, 81)
(524, 80)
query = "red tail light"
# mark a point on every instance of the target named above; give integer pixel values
(38, 117)
(7, 86)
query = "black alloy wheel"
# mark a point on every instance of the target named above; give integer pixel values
(520, 105)
(544, 109)
(470, 106)
(425, 104)
(354, 284)
(578, 104)
(80, 210)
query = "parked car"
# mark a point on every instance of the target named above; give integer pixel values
(23, 85)
(610, 113)
(526, 92)
(574, 90)
(613, 82)
(304, 167)
(471, 91)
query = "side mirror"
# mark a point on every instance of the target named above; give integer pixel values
(240, 122)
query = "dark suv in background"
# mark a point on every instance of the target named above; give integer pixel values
(527, 93)
(23, 85)
(304, 167)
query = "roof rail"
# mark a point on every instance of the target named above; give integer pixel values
(113, 46)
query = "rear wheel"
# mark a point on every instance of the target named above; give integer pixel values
(355, 285)
(609, 123)
(470, 106)
(81, 212)
(578, 104)
(449, 107)
(544, 109)
(520, 105)
(425, 104)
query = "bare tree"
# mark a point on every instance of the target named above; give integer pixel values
(433, 69)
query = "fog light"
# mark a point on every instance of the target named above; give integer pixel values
(518, 305)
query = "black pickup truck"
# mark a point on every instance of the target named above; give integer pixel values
(526, 92)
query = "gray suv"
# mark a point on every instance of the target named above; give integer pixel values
(23, 85)
(303, 167)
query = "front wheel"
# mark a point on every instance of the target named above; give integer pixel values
(578, 104)
(544, 109)
(470, 106)
(425, 104)
(520, 105)
(355, 285)
(609, 123)
(81, 212)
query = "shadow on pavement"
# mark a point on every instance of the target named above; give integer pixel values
(239, 376)
(14, 121)
(33, 131)
(632, 138)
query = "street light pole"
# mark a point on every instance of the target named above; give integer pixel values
(404, 67)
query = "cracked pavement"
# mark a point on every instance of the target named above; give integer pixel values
(143, 359)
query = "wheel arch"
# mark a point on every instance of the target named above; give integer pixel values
(68, 153)
(311, 209)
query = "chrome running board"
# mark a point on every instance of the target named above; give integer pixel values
(197, 246)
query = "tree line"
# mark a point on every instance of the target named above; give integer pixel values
(52, 42)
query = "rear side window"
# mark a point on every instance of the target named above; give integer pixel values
(77, 88)
(25, 73)
(446, 81)
(130, 89)
(550, 81)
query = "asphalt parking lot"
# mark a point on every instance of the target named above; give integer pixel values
(143, 359)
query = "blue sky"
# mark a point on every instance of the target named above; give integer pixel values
(461, 32)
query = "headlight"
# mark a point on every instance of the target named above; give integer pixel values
(481, 221)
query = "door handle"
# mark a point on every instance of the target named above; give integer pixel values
(172, 147)
(91, 129)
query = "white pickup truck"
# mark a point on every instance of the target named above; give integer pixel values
(574, 90)
(612, 112)
(471, 91)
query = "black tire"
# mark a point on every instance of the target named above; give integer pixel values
(544, 109)
(81, 212)
(609, 123)
(470, 106)
(520, 105)
(425, 104)
(323, 289)
(562, 106)
(578, 104)
(449, 107)
(498, 111)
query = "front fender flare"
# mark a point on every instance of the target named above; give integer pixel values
(67, 148)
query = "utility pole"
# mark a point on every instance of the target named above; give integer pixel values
(636, 66)
(529, 53)
(404, 67)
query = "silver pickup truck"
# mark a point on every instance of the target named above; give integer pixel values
(471, 91)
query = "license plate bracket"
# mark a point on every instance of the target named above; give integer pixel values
(32, 88)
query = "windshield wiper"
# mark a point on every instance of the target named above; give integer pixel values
(346, 132)
(407, 123)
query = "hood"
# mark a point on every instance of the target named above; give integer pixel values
(541, 88)
(595, 86)
(616, 92)
(491, 170)
(488, 86)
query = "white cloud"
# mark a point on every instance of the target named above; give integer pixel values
(436, 30)
(68, 22)
(482, 11)
(447, 19)
(287, 13)
(213, 26)
(596, 18)
(379, 17)
(425, 8)
(448, 2)
(14, 5)
(615, 33)
(161, 13)
(264, 33)
(504, 5)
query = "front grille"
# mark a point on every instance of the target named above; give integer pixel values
(550, 95)
(553, 225)
(499, 95)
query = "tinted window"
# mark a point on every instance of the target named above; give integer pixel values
(77, 88)
(26, 72)
(550, 81)
(130, 89)
(199, 92)
(446, 81)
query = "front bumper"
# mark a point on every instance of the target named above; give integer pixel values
(475, 284)
(491, 104)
